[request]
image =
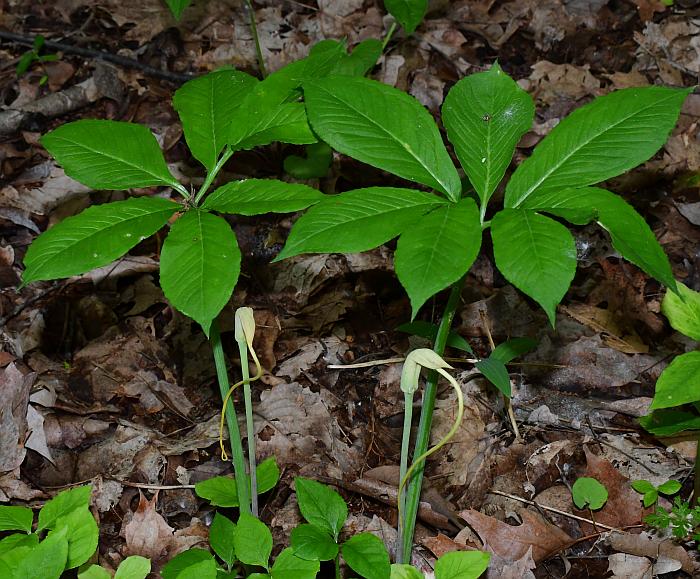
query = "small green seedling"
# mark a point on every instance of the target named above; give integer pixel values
(34, 55)
(588, 493)
(440, 232)
(65, 537)
(651, 493)
(682, 520)
(177, 7)
(134, 567)
(676, 404)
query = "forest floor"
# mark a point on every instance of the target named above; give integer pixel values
(121, 388)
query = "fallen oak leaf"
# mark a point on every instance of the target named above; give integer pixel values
(147, 533)
(647, 545)
(513, 542)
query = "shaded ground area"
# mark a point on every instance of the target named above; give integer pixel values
(102, 381)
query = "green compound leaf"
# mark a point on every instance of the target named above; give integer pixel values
(670, 487)
(679, 383)
(190, 561)
(206, 106)
(408, 13)
(485, 115)
(49, 557)
(221, 491)
(313, 544)
(643, 486)
(588, 492)
(600, 140)
(321, 506)
(199, 266)
(495, 371)
(670, 422)
(64, 503)
(259, 196)
(177, 7)
(630, 234)
(363, 57)
(315, 165)
(134, 567)
(95, 237)
(221, 535)
(109, 154)
(683, 311)
(367, 556)
(536, 254)
(383, 127)
(252, 541)
(16, 518)
(462, 565)
(357, 220)
(289, 566)
(438, 250)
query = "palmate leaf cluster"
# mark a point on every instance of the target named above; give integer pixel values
(221, 112)
(440, 232)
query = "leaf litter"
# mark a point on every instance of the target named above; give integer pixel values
(106, 382)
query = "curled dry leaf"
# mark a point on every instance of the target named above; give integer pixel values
(15, 388)
(647, 545)
(147, 534)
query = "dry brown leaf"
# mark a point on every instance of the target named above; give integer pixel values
(623, 507)
(500, 568)
(645, 544)
(15, 388)
(147, 533)
(514, 542)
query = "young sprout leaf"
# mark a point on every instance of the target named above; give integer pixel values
(134, 567)
(259, 196)
(206, 106)
(367, 556)
(312, 543)
(630, 234)
(679, 383)
(462, 565)
(189, 562)
(16, 518)
(600, 140)
(357, 220)
(109, 154)
(409, 13)
(289, 566)
(321, 506)
(495, 371)
(221, 535)
(95, 237)
(485, 115)
(381, 126)
(252, 541)
(683, 311)
(438, 250)
(536, 254)
(199, 265)
(588, 492)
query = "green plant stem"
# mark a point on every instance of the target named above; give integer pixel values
(337, 566)
(413, 491)
(250, 432)
(388, 36)
(405, 442)
(181, 190)
(256, 38)
(238, 458)
(228, 152)
(696, 481)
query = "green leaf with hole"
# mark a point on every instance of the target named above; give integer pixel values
(321, 506)
(683, 311)
(598, 141)
(313, 543)
(679, 383)
(536, 254)
(206, 106)
(252, 541)
(588, 492)
(221, 534)
(438, 250)
(630, 234)
(366, 555)
(357, 220)
(16, 518)
(199, 265)
(95, 237)
(485, 115)
(109, 154)
(462, 565)
(409, 13)
(260, 196)
(381, 126)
